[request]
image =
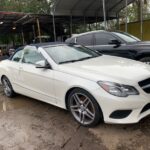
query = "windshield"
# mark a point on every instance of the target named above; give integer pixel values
(127, 37)
(69, 53)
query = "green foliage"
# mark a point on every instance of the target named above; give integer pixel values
(134, 11)
(27, 6)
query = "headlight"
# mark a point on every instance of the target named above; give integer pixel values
(118, 89)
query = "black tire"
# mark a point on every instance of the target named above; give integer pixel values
(9, 92)
(145, 60)
(81, 112)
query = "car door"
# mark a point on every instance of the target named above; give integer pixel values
(102, 43)
(37, 82)
(14, 69)
(86, 40)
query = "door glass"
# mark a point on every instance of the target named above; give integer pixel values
(32, 56)
(85, 40)
(17, 57)
(103, 38)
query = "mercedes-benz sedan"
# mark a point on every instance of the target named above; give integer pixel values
(93, 87)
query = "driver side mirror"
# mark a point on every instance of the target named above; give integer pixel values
(115, 42)
(43, 64)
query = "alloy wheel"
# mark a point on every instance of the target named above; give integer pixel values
(6, 86)
(82, 108)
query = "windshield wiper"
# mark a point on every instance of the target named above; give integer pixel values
(72, 61)
(86, 58)
(69, 61)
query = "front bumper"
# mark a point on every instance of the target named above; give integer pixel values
(136, 107)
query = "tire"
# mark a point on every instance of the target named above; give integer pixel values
(145, 60)
(8, 90)
(84, 108)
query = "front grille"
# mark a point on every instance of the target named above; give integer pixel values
(146, 108)
(145, 85)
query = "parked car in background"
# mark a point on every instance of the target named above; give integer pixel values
(43, 38)
(114, 43)
(93, 87)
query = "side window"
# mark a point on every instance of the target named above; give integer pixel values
(17, 56)
(32, 56)
(85, 40)
(103, 38)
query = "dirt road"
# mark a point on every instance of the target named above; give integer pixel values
(27, 124)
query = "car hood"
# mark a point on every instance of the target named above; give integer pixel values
(108, 68)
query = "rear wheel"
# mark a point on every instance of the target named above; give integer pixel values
(145, 60)
(84, 108)
(8, 90)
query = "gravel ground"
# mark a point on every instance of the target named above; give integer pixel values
(28, 124)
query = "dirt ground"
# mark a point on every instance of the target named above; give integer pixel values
(27, 124)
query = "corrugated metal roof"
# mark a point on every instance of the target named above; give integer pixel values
(90, 8)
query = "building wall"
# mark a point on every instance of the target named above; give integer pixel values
(134, 28)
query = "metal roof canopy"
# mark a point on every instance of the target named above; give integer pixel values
(101, 10)
(24, 21)
(89, 8)
(63, 11)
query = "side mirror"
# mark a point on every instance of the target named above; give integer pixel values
(43, 64)
(115, 42)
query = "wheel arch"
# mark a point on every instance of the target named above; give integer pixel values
(140, 56)
(67, 95)
(2, 76)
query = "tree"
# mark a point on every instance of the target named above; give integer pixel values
(134, 11)
(27, 6)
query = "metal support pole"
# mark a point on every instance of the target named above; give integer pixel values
(33, 28)
(126, 23)
(104, 14)
(141, 5)
(71, 25)
(39, 30)
(90, 27)
(96, 22)
(118, 22)
(23, 41)
(84, 23)
(54, 28)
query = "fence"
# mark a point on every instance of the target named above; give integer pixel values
(134, 28)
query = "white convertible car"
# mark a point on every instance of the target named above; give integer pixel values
(93, 87)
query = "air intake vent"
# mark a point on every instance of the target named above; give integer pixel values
(145, 85)
(146, 108)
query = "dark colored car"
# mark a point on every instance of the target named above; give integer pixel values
(43, 38)
(114, 43)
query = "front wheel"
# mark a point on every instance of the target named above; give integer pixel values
(84, 108)
(8, 90)
(145, 60)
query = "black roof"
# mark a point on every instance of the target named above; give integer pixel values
(39, 45)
